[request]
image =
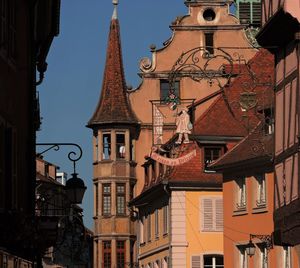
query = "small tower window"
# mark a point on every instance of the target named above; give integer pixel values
(121, 199)
(106, 247)
(120, 254)
(209, 43)
(106, 199)
(106, 146)
(120, 146)
(209, 14)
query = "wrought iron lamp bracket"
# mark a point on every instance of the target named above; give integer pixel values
(72, 155)
(266, 239)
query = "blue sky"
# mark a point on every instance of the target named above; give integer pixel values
(71, 89)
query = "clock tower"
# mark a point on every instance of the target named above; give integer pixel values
(115, 129)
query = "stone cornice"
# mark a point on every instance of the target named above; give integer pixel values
(206, 28)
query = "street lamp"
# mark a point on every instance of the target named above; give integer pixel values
(266, 239)
(75, 187)
(250, 248)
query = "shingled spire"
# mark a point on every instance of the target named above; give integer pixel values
(113, 106)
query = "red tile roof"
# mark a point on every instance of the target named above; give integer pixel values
(217, 120)
(256, 145)
(113, 106)
(193, 170)
(225, 116)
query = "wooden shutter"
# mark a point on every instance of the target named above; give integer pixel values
(219, 214)
(207, 215)
(196, 261)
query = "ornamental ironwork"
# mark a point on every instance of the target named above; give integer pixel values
(250, 102)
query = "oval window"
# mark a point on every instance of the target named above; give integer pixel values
(209, 14)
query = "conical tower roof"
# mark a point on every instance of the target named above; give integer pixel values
(113, 106)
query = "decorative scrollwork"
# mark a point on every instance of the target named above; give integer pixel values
(72, 156)
(216, 69)
(147, 65)
(267, 239)
(253, 100)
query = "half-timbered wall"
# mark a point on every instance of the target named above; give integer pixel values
(269, 8)
(286, 133)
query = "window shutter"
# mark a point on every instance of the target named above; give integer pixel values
(207, 219)
(219, 214)
(196, 261)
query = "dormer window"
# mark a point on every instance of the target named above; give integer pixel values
(211, 153)
(269, 126)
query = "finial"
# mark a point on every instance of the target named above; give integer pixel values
(115, 14)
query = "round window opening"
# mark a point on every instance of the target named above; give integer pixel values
(209, 15)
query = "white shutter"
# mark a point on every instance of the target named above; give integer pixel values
(207, 215)
(196, 261)
(219, 214)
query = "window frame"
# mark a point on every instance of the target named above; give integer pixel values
(119, 195)
(121, 153)
(149, 231)
(209, 46)
(142, 230)
(106, 155)
(156, 219)
(261, 192)
(106, 252)
(165, 219)
(213, 256)
(163, 92)
(96, 189)
(241, 194)
(264, 263)
(106, 194)
(121, 251)
(286, 257)
(211, 147)
(216, 220)
(243, 257)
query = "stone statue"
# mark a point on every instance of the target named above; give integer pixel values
(184, 126)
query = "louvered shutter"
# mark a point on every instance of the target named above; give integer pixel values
(196, 261)
(256, 14)
(244, 11)
(219, 214)
(207, 215)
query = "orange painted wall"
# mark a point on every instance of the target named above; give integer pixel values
(200, 242)
(239, 226)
